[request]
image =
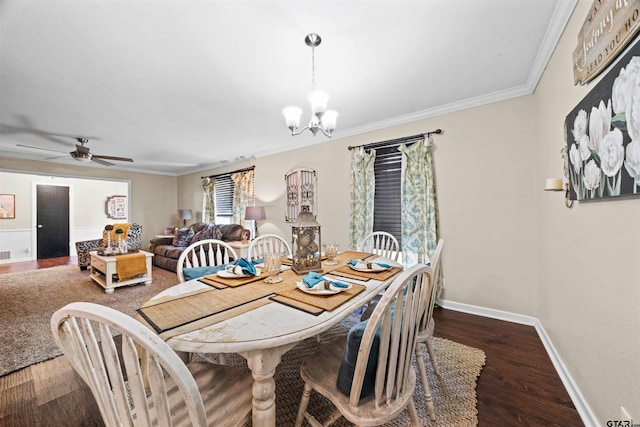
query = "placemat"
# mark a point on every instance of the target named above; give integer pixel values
(297, 304)
(212, 283)
(183, 310)
(382, 275)
(236, 282)
(326, 302)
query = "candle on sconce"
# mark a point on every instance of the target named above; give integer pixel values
(554, 184)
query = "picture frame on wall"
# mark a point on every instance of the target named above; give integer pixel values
(7, 206)
(116, 207)
(603, 134)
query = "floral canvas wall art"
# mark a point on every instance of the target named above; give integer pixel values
(603, 134)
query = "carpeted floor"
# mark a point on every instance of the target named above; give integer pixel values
(27, 301)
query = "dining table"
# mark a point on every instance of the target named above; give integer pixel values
(217, 314)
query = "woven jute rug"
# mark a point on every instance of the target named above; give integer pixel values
(454, 391)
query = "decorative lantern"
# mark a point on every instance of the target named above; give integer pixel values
(306, 243)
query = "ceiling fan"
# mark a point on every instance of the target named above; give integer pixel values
(82, 154)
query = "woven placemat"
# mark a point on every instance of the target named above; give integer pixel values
(181, 310)
(233, 282)
(326, 302)
(297, 304)
(347, 271)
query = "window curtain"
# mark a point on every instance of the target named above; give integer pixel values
(242, 197)
(208, 200)
(419, 204)
(363, 184)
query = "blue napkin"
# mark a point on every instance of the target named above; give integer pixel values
(313, 278)
(247, 267)
(354, 262)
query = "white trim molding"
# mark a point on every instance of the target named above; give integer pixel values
(585, 412)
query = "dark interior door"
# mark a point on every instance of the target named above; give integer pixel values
(52, 221)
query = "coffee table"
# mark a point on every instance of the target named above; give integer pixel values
(103, 270)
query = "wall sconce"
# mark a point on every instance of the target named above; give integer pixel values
(184, 215)
(558, 184)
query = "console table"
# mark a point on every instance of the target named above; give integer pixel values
(103, 270)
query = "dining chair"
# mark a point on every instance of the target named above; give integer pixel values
(381, 243)
(208, 252)
(171, 393)
(368, 375)
(268, 243)
(425, 331)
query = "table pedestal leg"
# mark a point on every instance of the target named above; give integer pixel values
(263, 365)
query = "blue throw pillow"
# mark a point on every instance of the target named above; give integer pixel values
(197, 272)
(350, 357)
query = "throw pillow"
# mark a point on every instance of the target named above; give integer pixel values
(183, 237)
(350, 357)
(209, 231)
(197, 272)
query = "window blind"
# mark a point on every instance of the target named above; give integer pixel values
(224, 196)
(387, 198)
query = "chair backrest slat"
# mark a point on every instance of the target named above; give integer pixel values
(382, 244)
(209, 252)
(268, 243)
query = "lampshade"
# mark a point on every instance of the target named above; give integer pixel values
(329, 119)
(254, 213)
(292, 116)
(184, 214)
(318, 100)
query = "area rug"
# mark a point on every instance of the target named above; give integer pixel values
(27, 301)
(454, 391)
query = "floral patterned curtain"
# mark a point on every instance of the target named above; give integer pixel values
(419, 204)
(242, 197)
(208, 200)
(363, 183)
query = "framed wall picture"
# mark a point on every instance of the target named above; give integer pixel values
(116, 207)
(7, 206)
(603, 134)
(300, 190)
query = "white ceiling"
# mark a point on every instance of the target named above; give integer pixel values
(183, 86)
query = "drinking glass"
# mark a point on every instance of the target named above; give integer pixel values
(331, 250)
(273, 265)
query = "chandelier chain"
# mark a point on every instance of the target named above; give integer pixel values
(313, 68)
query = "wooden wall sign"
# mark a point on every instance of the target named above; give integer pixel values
(608, 28)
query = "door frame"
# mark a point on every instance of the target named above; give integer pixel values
(34, 214)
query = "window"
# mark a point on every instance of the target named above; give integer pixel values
(224, 199)
(387, 199)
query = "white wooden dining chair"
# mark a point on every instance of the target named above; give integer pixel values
(425, 332)
(391, 334)
(381, 243)
(268, 243)
(209, 252)
(171, 394)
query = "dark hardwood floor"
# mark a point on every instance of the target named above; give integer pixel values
(518, 385)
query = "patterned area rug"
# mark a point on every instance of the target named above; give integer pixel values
(27, 301)
(454, 391)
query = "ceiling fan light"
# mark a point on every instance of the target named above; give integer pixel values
(82, 159)
(292, 116)
(318, 100)
(329, 120)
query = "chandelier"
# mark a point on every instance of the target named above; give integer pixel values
(321, 118)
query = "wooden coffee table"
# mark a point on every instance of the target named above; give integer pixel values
(103, 270)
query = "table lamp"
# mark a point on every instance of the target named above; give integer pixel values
(184, 215)
(254, 213)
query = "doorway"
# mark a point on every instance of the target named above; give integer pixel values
(52, 219)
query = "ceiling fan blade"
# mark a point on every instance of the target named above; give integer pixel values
(121, 159)
(57, 157)
(39, 148)
(102, 162)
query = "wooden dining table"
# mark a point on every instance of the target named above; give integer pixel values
(257, 320)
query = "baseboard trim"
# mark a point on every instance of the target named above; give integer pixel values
(585, 412)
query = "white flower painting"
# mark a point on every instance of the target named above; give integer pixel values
(603, 135)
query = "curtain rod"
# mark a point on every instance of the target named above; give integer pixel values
(396, 141)
(250, 168)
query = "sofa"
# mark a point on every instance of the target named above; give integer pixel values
(167, 250)
(84, 247)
